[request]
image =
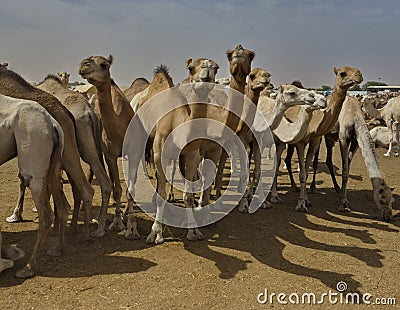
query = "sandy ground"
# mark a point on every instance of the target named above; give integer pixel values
(276, 249)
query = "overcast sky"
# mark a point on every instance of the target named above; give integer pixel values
(300, 39)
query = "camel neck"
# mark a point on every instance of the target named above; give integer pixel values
(331, 113)
(249, 110)
(235, 103)
(277, 114)
(293, 132)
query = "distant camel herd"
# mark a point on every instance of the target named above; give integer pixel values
(51, 128)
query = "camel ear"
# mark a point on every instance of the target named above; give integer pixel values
(252, 54)
(110, 59)
(280, 89)
(335, 70)
(188, 62)
(229, 55)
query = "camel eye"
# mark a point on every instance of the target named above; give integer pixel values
(191, 69)
(342, 74)
(252, 76)
(104, 65)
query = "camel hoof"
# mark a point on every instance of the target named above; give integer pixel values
(117, 224)
(244, 205)
(386, 154)
(5, 264)
(25, 272)
(192, 236)
(276, 199)
(151, 238)
(130, 234)
(344, 208)
(301, 207)
(54, 252)
(337, 189)
(308, 204)
(313, 189)
(171, 198)
(387, 215)
(14, 219)
(266, 205)
(159, 240)
(12, 252)
(98, 233)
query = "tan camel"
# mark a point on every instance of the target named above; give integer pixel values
(64, 77)
(200, 70)
(88, 134)
(13, 85)
(321, 123)
(390, 113)
(8, 254)
(353, 133)
(28, 131)
(240, 60)
(137, 86)
(116, 114)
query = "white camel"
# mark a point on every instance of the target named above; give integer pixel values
(28, 131)
(390, 113)
(380, 136)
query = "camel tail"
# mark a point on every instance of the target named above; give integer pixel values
(367, 147)
(54, 174)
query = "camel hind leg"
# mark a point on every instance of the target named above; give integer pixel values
(19, 209)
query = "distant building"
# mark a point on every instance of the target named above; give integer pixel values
(387, 88)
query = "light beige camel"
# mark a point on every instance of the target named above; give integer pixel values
(88, 134)
(64, 77)
(380, 136)
(137, 86)
(116, 114)
(321, 123)
(390, 113)
(288, 132)
(8, 254)
(200, 70)
(13, 85)
(28, 131)
(353, 133)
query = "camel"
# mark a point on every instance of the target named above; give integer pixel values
(353, 133)
(390, 113)
(200, 70)
(321, 123)
(9, 254)
(64, 77)
(116, 114)
(287, 132)
(137, 86)
(13, 85)
(380, 136)
(240, 60)
(31, 133)
(273, 111)
(88, 135)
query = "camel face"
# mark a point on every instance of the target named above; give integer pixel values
(258, 79)
(291, 95)
(320, 103)
(95, 68)
(240, 60)
(347, 76)
(384, 199)
(202, 70)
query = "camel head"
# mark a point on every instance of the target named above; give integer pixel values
(95, 69)
(347, 77)
(240, 61)
(202, 70)
(290, 95)
(258, 79)
(383, 197)
(320, 103)
(64, 77)
(4, 65)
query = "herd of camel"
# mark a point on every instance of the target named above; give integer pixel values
(51, 128)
